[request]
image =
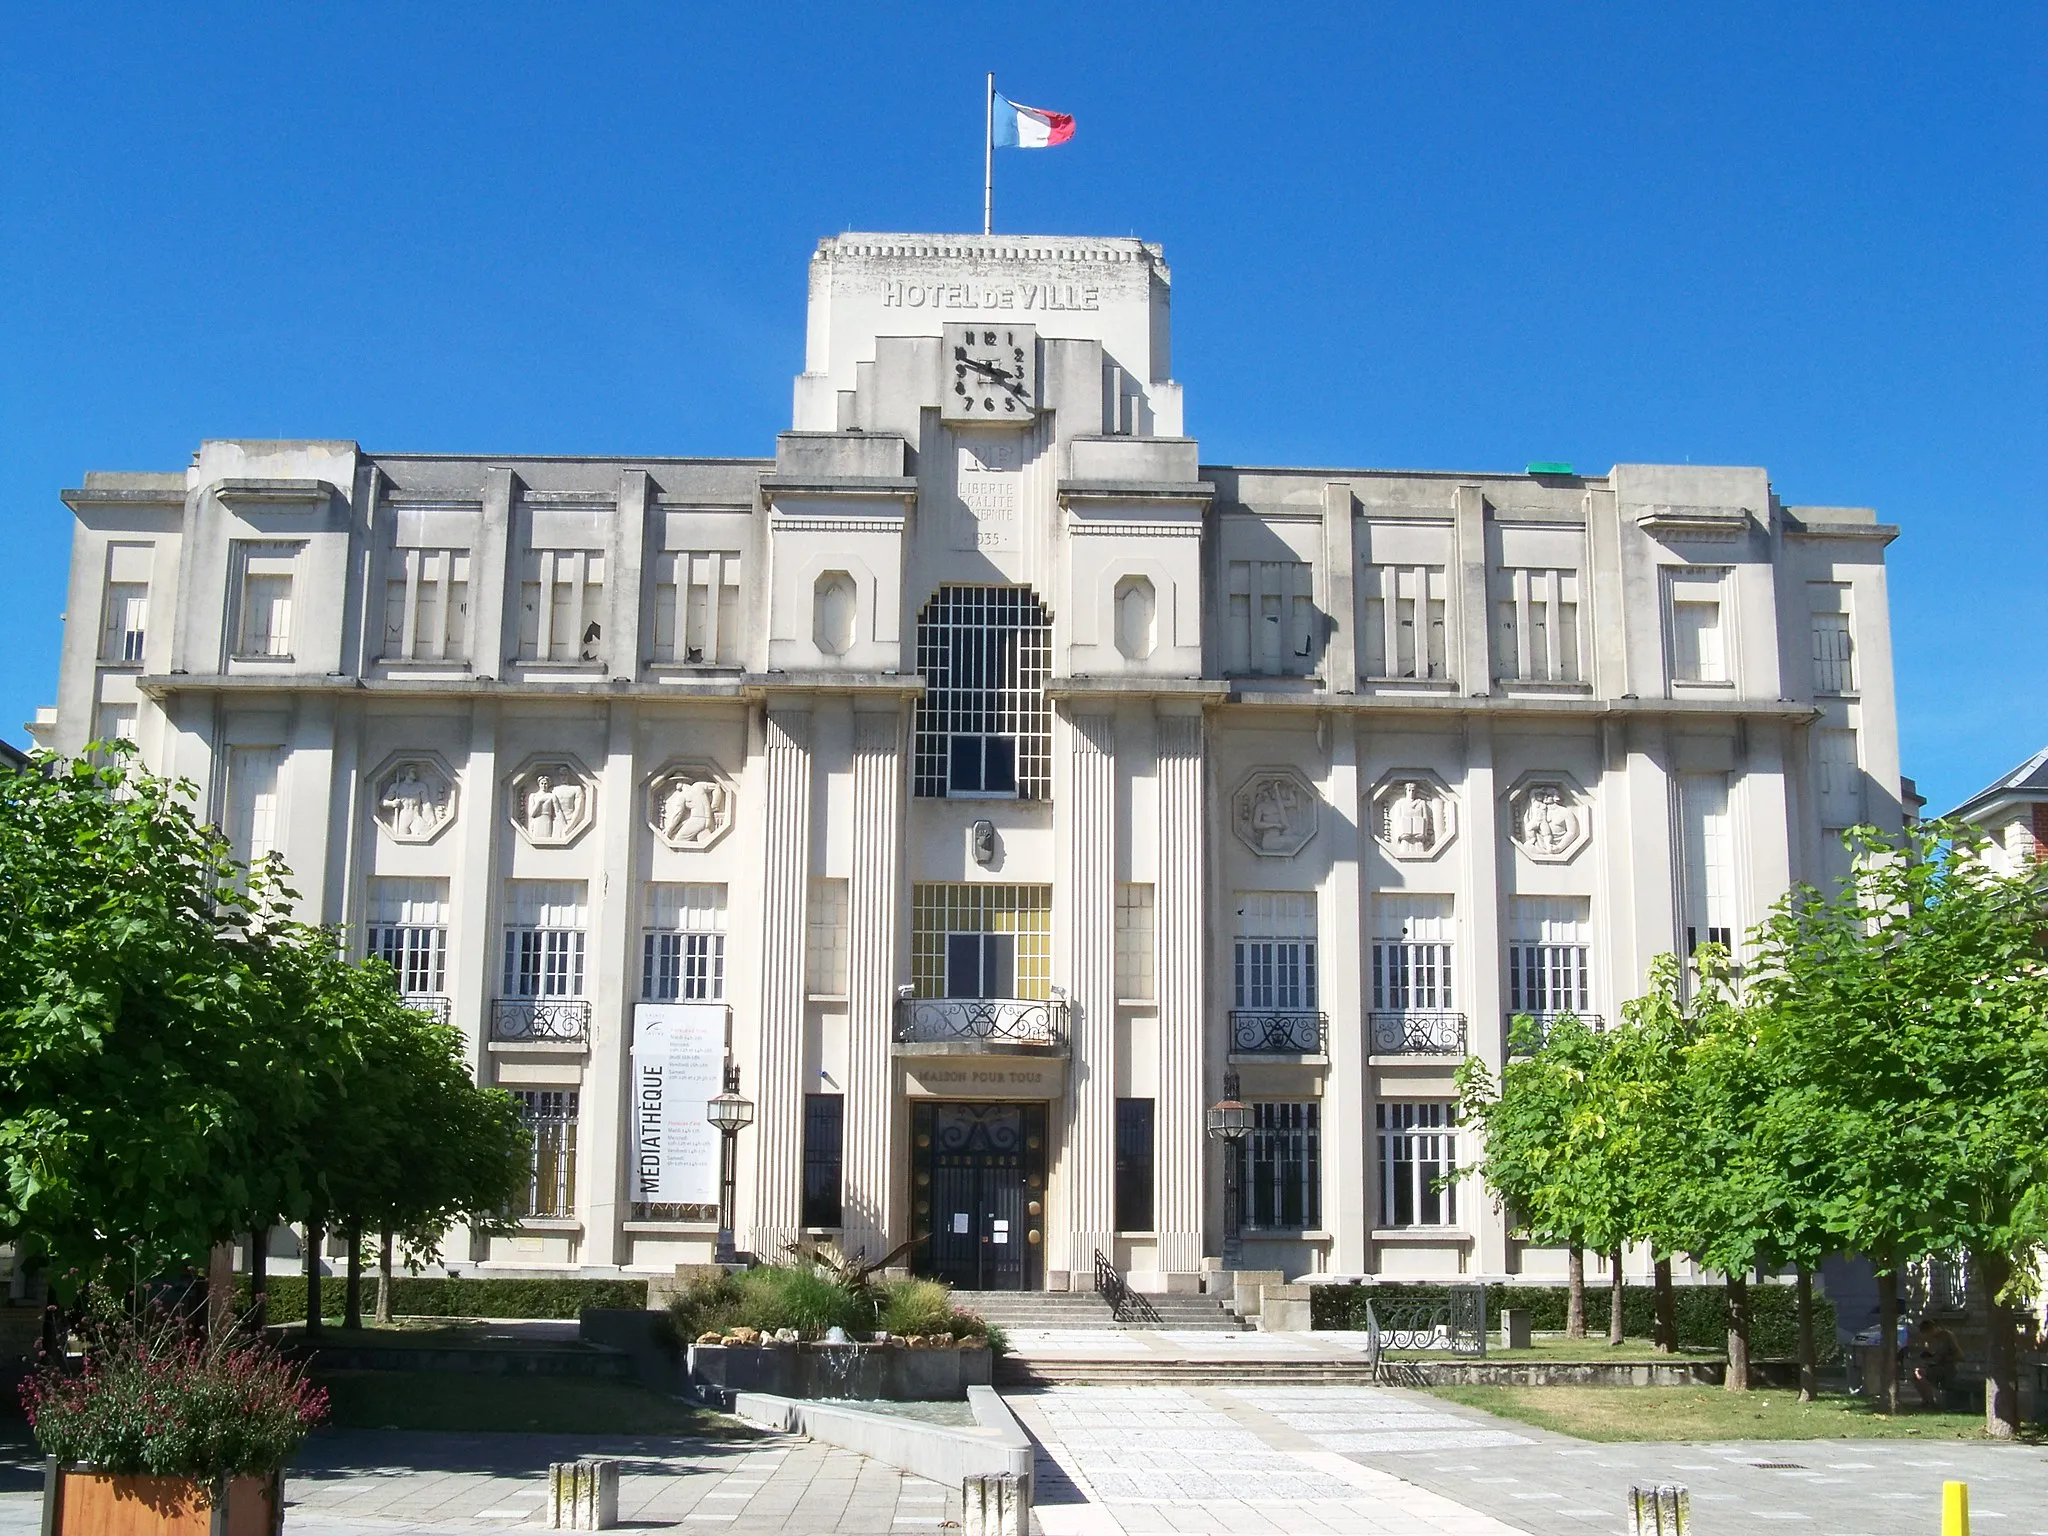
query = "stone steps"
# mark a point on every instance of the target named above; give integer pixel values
(1085, 1309)
(1016, 1371)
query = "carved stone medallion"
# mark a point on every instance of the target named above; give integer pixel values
(1548, 817)
(1274, 812)
(552, 801)
(689, 806)
(413, 798)
(1414, 815)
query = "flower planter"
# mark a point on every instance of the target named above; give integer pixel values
(80, 1502)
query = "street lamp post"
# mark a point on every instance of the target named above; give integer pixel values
(731, 1114)
(1230, 1121)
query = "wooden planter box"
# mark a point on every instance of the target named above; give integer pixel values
(85, 1503)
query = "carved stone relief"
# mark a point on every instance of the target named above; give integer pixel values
(690, 806)
(414, 798)
(1414, 815)
(1274, 812)
(1548, 817)
(835, 601)
(552, 801)
(1137, 607)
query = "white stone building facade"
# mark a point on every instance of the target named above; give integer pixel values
(986, 777)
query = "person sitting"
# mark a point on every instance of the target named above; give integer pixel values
(1935, 1356)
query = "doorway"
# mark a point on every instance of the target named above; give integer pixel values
(978, 1173)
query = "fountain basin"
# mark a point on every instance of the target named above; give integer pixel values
(812, 1370)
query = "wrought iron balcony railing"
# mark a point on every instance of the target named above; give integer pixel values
(985, 1020)
(1523, 1038)
(540, 1020)
(1277, 1032)
(433, 1005)
(1417, 1032)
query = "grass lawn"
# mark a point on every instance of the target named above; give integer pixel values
(1708, 1413)
(528, 1404)
(1562, 1351)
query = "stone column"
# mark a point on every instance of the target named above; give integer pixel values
(777, 1085)
(1181, 1152)
(1088, 1158)
(1349, 1199)
(473, 895)
(871, 1126)
(1479, 972)
(612, 936)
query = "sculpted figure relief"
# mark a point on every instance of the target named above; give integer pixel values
(690, 806)
(415, 799)
(1548, 818)
(551, 802)
(1413, 815)
(1274, 813)
(1412, 823)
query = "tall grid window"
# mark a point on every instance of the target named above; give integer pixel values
(253, 775)
(550, 1114)
(1709, 853)
(1418, 1146)
(544, 929)
(1282, 1163)
(1537, 626)
(824, 1144)
(984, 727)
(697, 608)
(682, 951)
(426, 605)
(981, 940)
(1134, 1165)
(1271, 626)
(829, 919)
(1402, 612)
(561, 605)
(1693, 602)
(1834, 644)
(1134, 953)
(115, 722)
(1841, 778)
(1411, 957)
(408, 931)
(1549, 955)
(265, 628)
(127, 622)
(1274, 957)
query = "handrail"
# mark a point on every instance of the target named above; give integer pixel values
(549, 1020)
(1005, 1020)
(1417, 1032)
(1124, 1303)
(1277, 1031)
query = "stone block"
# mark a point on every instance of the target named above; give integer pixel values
(1284, 1308)
(995, 1504)
(583, 1495)
(1514, 1327)
(1250, 1283)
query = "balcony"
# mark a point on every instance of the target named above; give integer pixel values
(540, 1021)
(433, 1005)
(1417, 1032)
(1531, 1036)
(1277, 1032)
(982, 1023)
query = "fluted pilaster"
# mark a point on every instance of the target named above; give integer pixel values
(871, 1122)
(1090, 1154)
(779, 1088)
(1182, 1152)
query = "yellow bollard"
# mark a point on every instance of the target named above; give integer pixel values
(1955, 1509)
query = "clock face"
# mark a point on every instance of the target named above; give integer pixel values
(991, 373)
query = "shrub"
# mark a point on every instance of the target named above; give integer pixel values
(788, 1296)
(154, 1398)
(916, 1306)
(707, 1304)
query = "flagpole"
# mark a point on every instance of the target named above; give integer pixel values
(988, 162)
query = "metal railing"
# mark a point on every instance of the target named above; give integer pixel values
(1417, 1032)
(541, 1020)
(1125, 1304)
(433, 1005)
(1538, 1029)
(1279, 1032)
(1456, 1324)
(996, 1020)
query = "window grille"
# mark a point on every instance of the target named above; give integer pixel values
(829, 938)
(1549, 978)
(697, 608)
(127, 621)
(1134, 940)
(1698, 652)
(253, 775)
(1841, 778)
(550, 1114)
(426, 605)
(116, 723)
(1709, 855)
(984, 727)
(1834, 643)
(1402, 621)
(1134, 1165)
(266, 618)
(561, 605)
(1282, 1166)
(1418, 1148)
(682, 951)
(1537, 624)
(544, 939)
(824, 1143)
(1408, 976)
(981, 936)
(1271, 626)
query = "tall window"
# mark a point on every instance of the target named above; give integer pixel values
(1411, 956)
(253, 774)
(981, 940)
(829, 919)
(1134, 962)
(1134, 1165)
(824, 1143)
(544, 928)
(1402, 621)
(1418, 1151)
(1271, 625)
(1283, 1168)
(682, 951)
(1694, 603)
(116, 722)
(697, 607)
(1709, 860)
(127, 622)
(1834, 645)
(266, 617)
(550, 1113)
(426, 605)
(1274, 958)
(1549, 955)
(408, 931)
(561, 605)
(983, 725)
(1536, 628)
(1841, 779)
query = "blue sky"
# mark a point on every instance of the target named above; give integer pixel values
(1447, 236)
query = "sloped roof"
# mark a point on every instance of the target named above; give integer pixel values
(2032, 775)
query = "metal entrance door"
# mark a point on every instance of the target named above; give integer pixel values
(979, 1173)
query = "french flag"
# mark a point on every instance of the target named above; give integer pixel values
(1021, 127)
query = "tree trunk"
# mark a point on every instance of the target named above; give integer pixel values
(1667, 1310)
(384, 1280)
(220, 1289)
(352, 1291)
(1809, 1353)
(1575, 1298)
(1737, 1379)
(259, 1278)
(312, 1278)
(1888, 1340)
(1616, 1328)
(2001, 1355)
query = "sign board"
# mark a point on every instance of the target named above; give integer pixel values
(678, 1068)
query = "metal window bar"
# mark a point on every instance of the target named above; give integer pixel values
(1282, 1165)
(1417, 1157)
(1262, 1032)
(1007, 1020)
(544, 962)
(532, 1020)
(1276, 974)
(1549, 978)
(1410, 976)
(824, 1142)
(1134, 1165)
(682, 967)
(418, 956)
(1416, 1032)
(985, 654)
(551, 1116)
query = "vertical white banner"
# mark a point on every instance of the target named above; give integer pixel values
(678, 1067)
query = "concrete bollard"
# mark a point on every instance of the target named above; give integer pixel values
(1665, 1510)
(995, 1504)
(1514, 1327)
(583, 1495)
(1955, 1509)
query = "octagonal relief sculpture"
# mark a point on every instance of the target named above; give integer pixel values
(413, 796)
(1414, 815)
(1274, 812)
(1548, 817)
(690, 806)
(552, 801)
